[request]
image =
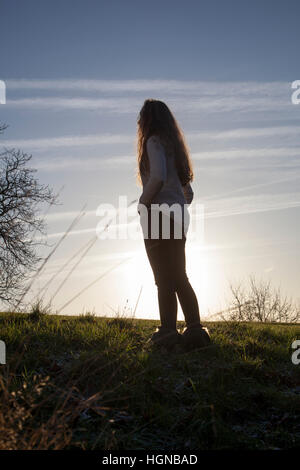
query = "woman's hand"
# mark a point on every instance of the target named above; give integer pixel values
(142, 207)
(188, 193)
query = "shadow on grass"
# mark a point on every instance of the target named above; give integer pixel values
(93, 384)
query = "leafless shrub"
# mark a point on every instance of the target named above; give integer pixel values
(259, 301)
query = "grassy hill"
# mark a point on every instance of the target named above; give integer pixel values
(90, 383)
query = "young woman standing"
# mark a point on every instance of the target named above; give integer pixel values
(165, 171)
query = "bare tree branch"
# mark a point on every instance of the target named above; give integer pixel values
(20, 198)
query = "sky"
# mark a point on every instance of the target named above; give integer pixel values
(77, 74)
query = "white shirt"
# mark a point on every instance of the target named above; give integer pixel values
(162, 184)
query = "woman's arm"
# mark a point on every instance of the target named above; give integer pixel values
(188, 193)
(158, 170)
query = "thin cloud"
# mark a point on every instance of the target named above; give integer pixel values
(116, 105)
(69, 141)
(253, 186)
(93, 163)
(131, 105)
(247, 132)
(248, 153)
(88, 164)
(110, 139)
(223, 207)
(142, 85)
(251, 204)
(252, 210)
(182, 95)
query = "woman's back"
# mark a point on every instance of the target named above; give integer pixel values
(162, 184)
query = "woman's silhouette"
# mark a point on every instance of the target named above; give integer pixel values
(165, 171)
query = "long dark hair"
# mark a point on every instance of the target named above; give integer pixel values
(155, 118)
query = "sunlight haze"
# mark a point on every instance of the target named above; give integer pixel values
(73, 95)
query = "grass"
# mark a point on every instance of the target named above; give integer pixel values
(90, 383)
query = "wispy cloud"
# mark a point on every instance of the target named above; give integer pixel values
(141, 85)
(85, 163)
(277, 182)
(69, 141)
(132, 105)
(185, 96)
(232, 135)
(248, 153)
(119, 162)
(66, 215)
(264, 202)
(115, 105)
(241, 154)
(238, 133)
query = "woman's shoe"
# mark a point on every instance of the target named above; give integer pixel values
(195, 337)
(165, 337)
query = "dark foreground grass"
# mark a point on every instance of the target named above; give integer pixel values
(90, 383)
